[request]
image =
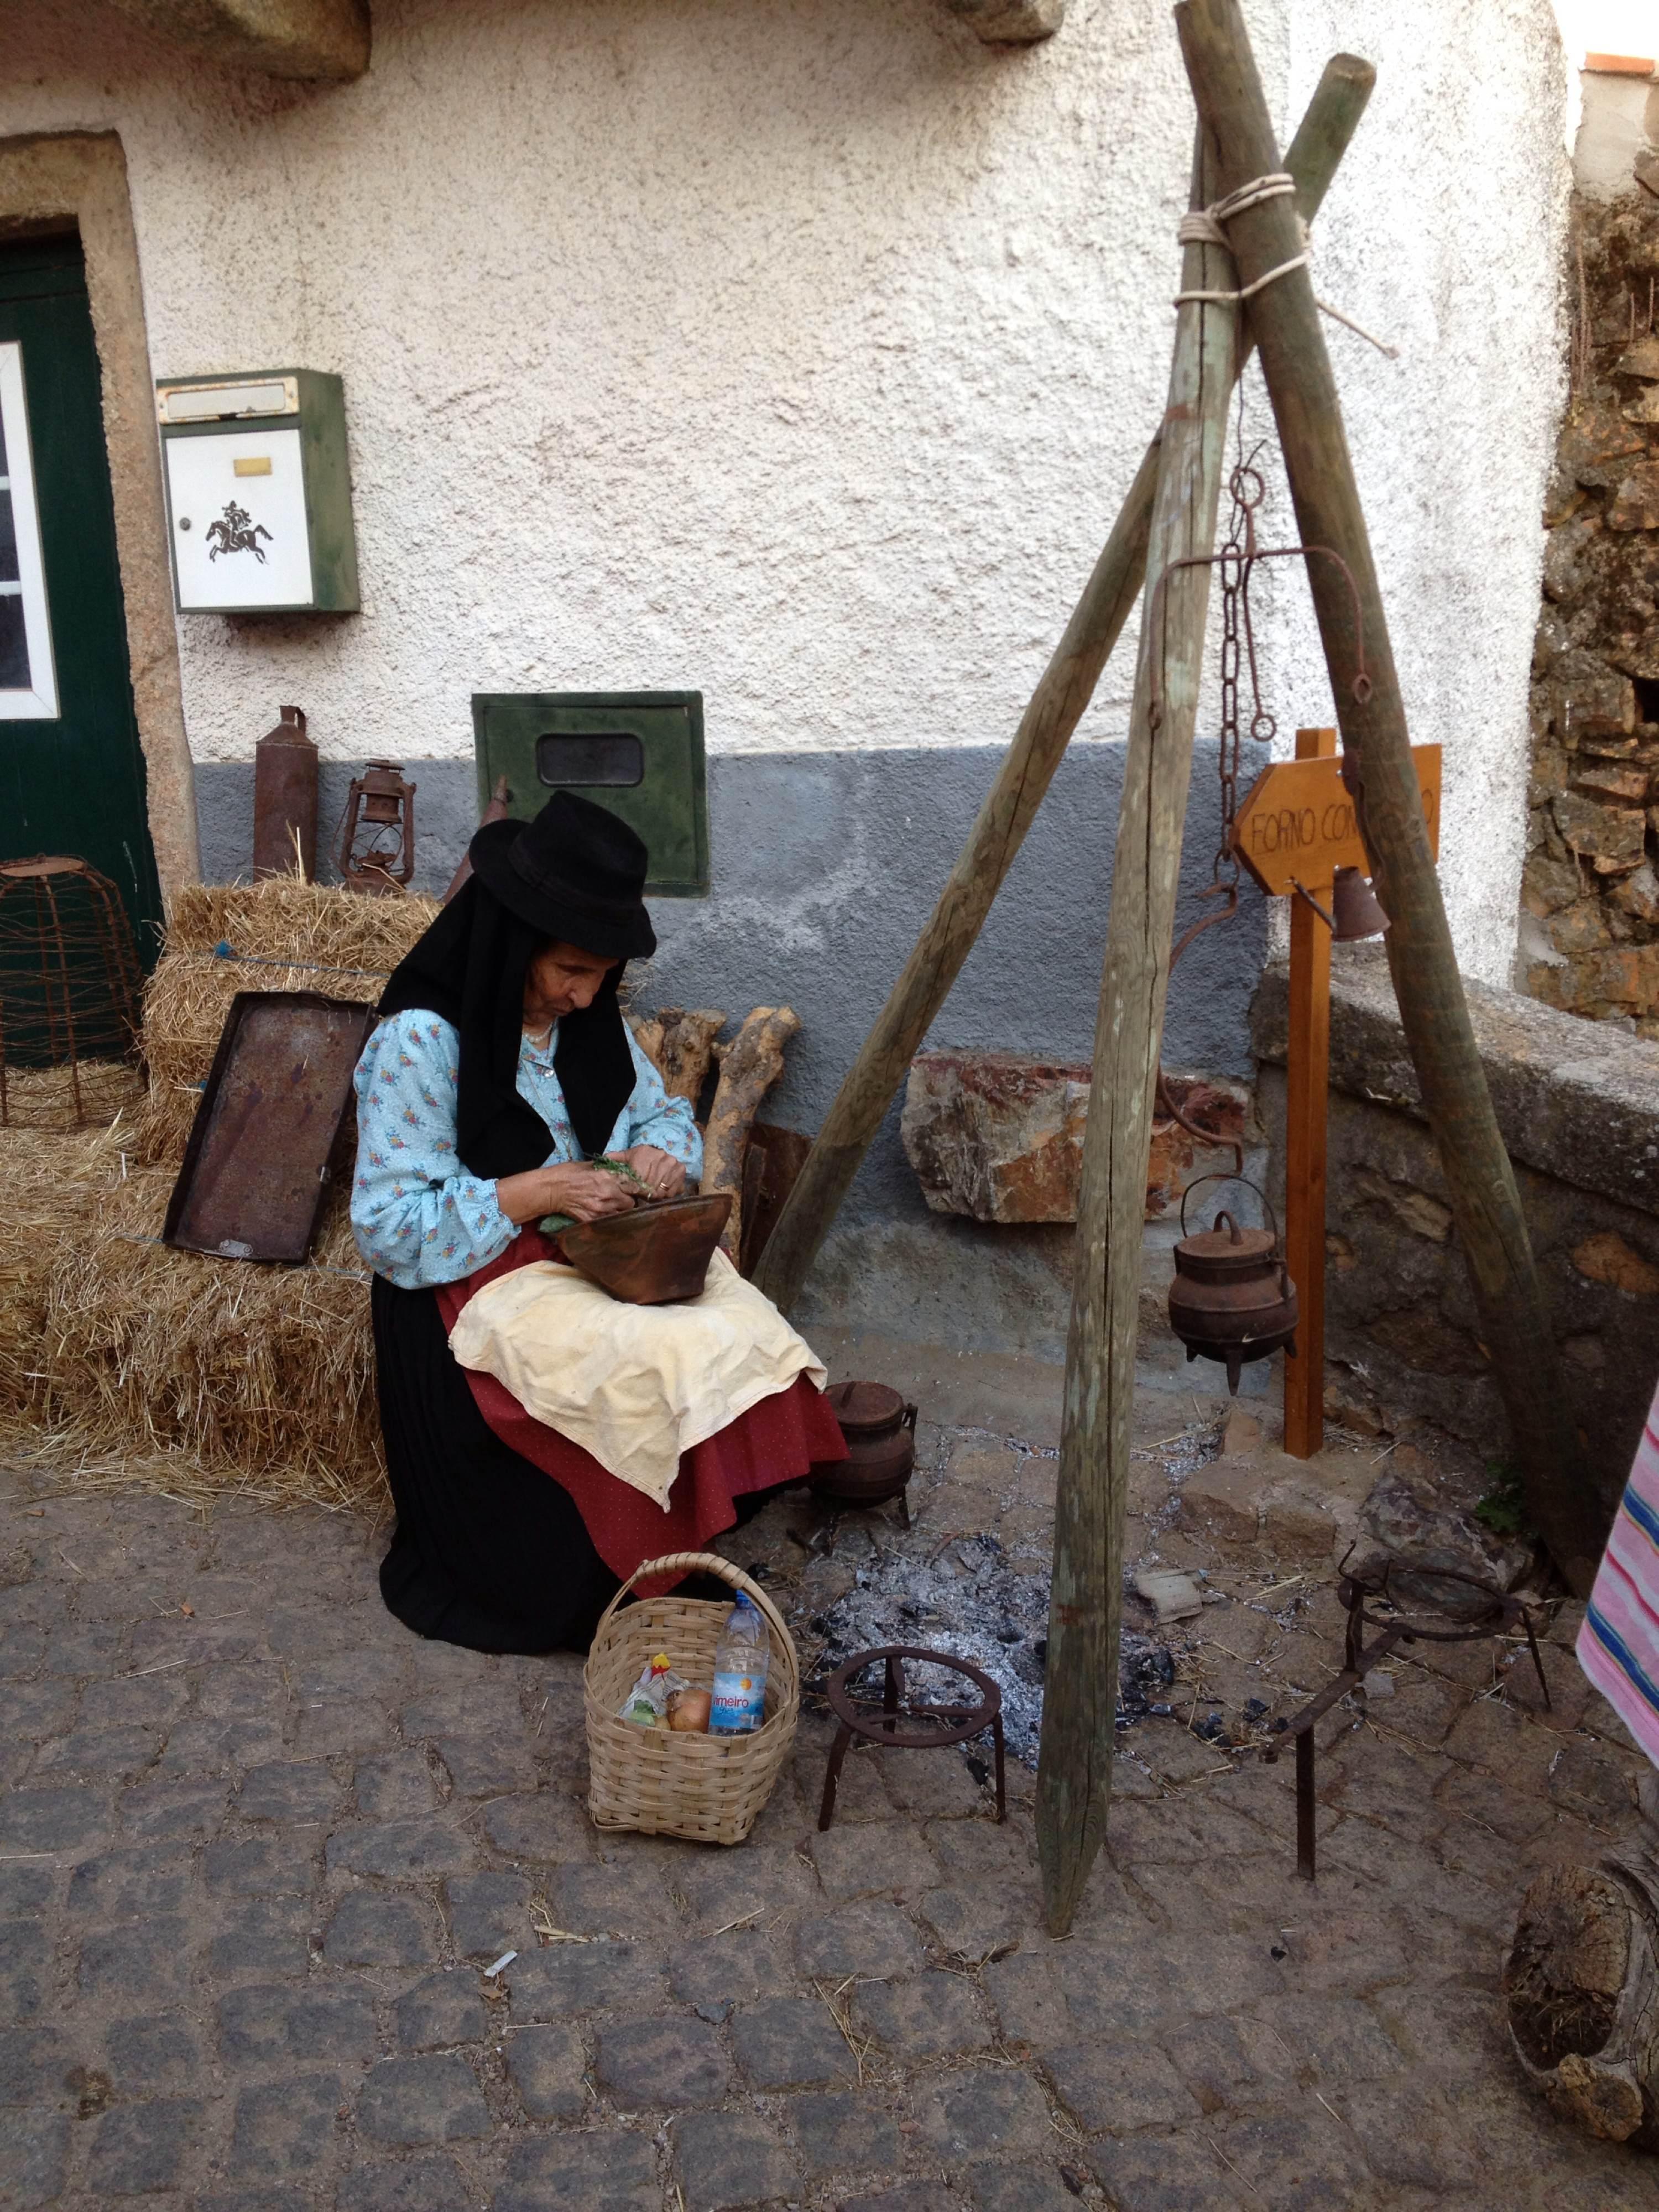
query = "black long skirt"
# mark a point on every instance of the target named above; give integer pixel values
(489, 1552)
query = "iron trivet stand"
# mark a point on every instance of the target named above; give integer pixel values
(1499, 1613)
(898, 1724)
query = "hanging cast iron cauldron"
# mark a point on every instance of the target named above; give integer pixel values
(1232, 1298)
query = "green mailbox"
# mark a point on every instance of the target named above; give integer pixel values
(639, 753)
(259, 490)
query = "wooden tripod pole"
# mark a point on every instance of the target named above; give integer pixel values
(1080, 1707)
(1067, 687)
(1480, 1180)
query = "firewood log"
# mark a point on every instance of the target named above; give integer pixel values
(680, 1046)
(1581, 1983)
(749, 1066)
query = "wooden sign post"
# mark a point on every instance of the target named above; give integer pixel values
(1294, 830)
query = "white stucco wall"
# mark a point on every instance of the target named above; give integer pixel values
(1423, 239)
(801, 350)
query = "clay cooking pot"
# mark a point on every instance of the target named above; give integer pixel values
(881, 1443)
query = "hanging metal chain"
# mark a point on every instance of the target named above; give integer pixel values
(1237, 562)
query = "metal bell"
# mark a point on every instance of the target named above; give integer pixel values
(1356, 910)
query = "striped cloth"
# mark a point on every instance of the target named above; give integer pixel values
(1619, 1643)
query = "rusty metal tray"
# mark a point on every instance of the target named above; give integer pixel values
(261, 1151)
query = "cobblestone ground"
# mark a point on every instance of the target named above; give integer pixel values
(258, 1845)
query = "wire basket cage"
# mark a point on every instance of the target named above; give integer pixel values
(69, 995)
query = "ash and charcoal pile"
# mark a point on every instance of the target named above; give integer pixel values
(969, 1600)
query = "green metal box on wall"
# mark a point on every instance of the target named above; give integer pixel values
(639, 753)
(258, 492)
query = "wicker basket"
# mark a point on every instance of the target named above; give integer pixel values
(709, 1788)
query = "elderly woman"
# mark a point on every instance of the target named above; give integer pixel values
(501, 1068)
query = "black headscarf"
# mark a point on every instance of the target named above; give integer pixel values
(470, 968)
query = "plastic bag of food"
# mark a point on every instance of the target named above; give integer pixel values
(647, 1703)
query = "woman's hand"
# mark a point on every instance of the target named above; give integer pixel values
(663, 1176)
(585, 1193)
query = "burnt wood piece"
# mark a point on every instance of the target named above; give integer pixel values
(1581, 1986)
(1379, 773)
(656, 1255)
(774, 1158)
(1067, 686)
(750, 1064)
(680, 1047)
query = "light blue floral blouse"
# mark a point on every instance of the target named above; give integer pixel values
(419, 1217)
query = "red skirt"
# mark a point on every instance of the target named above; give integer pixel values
(774, 1442)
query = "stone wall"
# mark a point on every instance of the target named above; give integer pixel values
(1589, 936)
(1579, 1109)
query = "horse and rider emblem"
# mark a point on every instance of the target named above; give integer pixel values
(236, 532)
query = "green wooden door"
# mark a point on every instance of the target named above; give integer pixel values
(71, 769)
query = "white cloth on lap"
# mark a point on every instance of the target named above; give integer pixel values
(633, 1385)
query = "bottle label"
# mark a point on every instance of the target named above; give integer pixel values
(739, 1702)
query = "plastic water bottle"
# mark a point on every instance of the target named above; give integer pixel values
(741, 1659)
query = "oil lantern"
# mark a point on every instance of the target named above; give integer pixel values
(1232, 1298)
(377, 852)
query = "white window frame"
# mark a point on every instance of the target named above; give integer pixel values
(39, 702)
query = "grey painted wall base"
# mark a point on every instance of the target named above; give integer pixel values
(826, 865)
(977, 1289)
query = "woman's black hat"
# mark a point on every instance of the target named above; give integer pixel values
(576, 873)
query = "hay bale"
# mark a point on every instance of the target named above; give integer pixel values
(291, 936)
(284, 917)
(54, 1184)
(242, 1376)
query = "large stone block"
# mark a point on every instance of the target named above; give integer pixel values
(1570, 559)
(1611, 838)
(1587, 698)
(1637, 895)
(1615, 782)
(1606, 1257)
(998, 1136)
(1548, 884)
(1302, 1508)
(1636, 504)
(1583, 927)
(1620, 979)
(1593, 434)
